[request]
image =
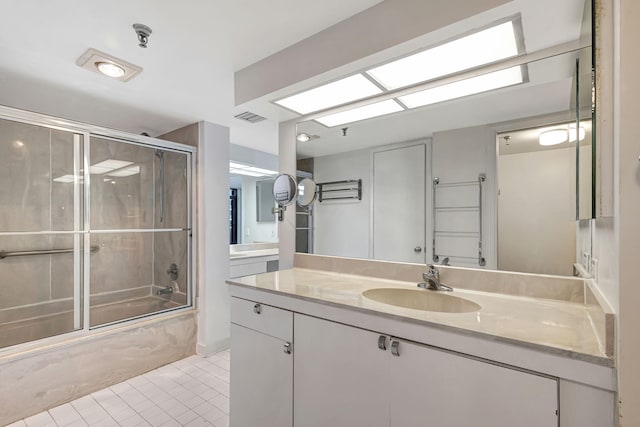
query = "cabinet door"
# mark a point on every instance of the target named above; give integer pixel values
(261, 380)
(341, 376)
(431, 387)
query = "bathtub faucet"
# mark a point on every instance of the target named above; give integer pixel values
(166, 290)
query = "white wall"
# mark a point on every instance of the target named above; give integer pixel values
(287, 164)
(342, 227)
(536, 212)
(213, 238)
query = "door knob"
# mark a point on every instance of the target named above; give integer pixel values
(417, 249)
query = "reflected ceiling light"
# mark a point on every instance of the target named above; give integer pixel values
(108, 65)
(361, 113)
(484, 47)
(107, 166)
(67, 179)
(336, 93)
(486, 82)
(572, 133)
(110, 70)
(306, 137)
(126, 171)
(303, 137)
(553, 137)
(248, 170)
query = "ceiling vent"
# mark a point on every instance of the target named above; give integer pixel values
(250, 117)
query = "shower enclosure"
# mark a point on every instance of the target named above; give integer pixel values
(95, 227)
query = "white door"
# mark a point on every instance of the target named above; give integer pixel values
(261, 380)
(399, 204)
(340, 376)
(432, 387)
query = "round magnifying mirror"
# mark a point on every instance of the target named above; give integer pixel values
(306, 192)
(284, 189)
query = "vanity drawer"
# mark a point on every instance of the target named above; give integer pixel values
(262, 318)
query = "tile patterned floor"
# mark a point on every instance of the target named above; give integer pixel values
(189, 392)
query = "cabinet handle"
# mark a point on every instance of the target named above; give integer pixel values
(394, 348)
(257, 309)
(382, 342)
(287, 348)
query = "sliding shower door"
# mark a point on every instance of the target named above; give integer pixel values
(139, 223)
(94, 229)
(41, 225)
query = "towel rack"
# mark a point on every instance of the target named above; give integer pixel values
(8, 254)
(351, 187)
(436, 183)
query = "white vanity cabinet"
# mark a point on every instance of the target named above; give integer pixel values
(340, 376)
(429, 386)
(261, 365)
(346, 376)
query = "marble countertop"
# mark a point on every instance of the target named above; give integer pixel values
(560, 326)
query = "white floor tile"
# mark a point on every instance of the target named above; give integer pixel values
(42, 419)
(190, 392)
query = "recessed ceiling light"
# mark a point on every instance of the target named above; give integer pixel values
(108, 65)
(553, 137)
(336, 93)
(361, 113)
(486, 82)
(109, 69)
(480, 48)
(303, 137)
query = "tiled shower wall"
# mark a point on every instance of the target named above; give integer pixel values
(30, 156)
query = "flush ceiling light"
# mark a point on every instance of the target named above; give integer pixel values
(553, 137)
(110, 70)
(67, 179)
(474, 85)
(108, 65)
(361, 113)
(484, 47)
(107, 166)
(329, 95)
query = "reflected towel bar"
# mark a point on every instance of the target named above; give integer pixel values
(6, 254)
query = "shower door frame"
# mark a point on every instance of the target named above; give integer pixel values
(87, 130)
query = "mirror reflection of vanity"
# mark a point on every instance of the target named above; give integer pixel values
(253, 229)
(494, 178)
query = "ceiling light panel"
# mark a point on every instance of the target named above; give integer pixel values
(336, 93)
(128, 171)
(486, 82)
(486, 46)
(361, 113)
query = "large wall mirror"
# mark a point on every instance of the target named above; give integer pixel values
(489, 178)
(251, 202)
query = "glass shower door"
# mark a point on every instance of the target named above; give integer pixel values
(41, 225)
(139, 222)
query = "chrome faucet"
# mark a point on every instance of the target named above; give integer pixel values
(165, 290)
(432, 280)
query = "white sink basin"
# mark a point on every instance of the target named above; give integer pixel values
(420, 299)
